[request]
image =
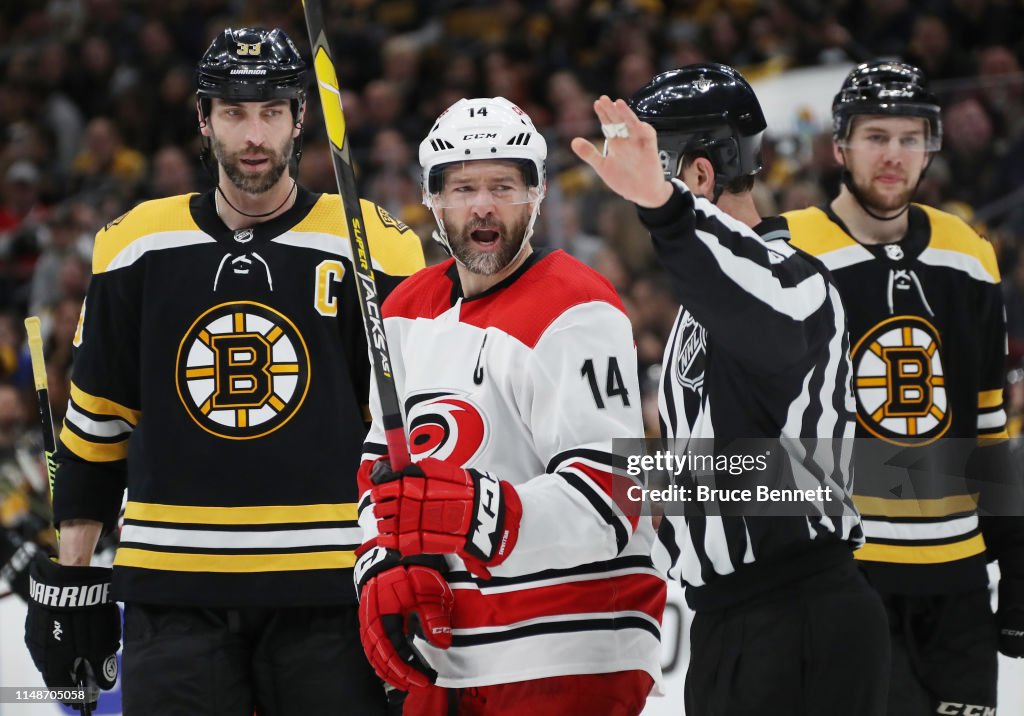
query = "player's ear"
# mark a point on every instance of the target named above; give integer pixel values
(837, 154)
(705, 171)
(202, 121)
(300, 117)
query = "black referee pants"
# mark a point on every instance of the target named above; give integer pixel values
(234, 662)
(816, 647)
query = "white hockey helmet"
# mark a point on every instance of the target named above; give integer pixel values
(482, 128)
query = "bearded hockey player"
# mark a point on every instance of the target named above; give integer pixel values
(927, 328)
(221, 332)
(784, 621)
(500, 565)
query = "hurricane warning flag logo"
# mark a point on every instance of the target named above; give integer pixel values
(446, 427)
(242, 370)
(899, 382)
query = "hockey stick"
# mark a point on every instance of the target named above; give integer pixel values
(366, 285)
(35, 348)
(83, 673)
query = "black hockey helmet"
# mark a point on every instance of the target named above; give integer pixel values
(250, 64)
(886, 87)
(709, 108)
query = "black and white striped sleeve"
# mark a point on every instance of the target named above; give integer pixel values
(763, 301)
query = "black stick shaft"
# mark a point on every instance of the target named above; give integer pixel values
(366, 285)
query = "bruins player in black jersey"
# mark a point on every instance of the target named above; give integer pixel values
(221, 332)
(926, 323)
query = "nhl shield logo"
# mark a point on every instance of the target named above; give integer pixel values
(243, 236)
(894, 251)
(689, 365)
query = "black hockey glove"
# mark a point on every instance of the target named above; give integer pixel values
(15, 561)
(1010, 617)
(72, 625)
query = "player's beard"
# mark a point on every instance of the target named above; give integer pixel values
(249, 182)
(882, 202)
(487, 263)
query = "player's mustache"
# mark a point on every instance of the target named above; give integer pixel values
(491, 225)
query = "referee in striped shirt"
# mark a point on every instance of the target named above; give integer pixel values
(784, 623)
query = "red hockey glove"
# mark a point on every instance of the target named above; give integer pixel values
(396, 605)
(431, 507)
(1010, 617)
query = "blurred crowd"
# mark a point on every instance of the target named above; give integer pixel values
(97, 113)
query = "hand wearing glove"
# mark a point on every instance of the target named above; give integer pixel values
(397, 601)
(15, 562)
(1010, 617)
(431, 507)
(72, 623)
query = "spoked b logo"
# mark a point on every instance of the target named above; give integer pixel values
(899, 382)
(242, 370)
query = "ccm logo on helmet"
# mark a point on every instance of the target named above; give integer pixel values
(951, 708)
(481, 135)
(69, 597)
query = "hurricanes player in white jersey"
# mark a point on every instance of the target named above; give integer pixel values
(504, 566)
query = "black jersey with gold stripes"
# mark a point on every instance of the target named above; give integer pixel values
(928, 339)
(236, 363)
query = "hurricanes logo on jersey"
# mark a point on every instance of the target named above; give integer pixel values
(445, 426)
(242, 370)
(899, 382)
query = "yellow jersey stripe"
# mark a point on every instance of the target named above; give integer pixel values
(159, 215)
(191, 562)
(253, 515)
(895, 507)
(990, 398)
(950, 233)
(814, 232)
(103, 406)
(93, 452)
(397, 250)
(921, 554)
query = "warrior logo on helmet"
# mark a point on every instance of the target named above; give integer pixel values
(445, 426)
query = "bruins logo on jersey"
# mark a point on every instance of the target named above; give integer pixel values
(242, 370)
(446, 427)
(899, 382)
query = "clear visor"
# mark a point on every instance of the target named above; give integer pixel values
(463, 194)
(877, 141)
